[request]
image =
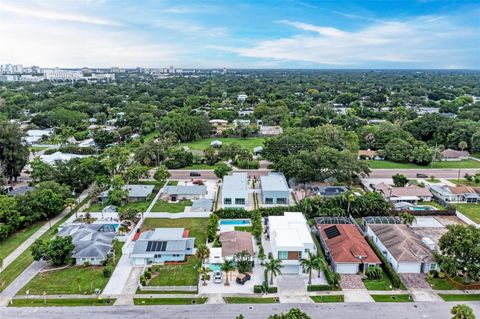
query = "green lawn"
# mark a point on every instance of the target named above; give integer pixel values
(16, 239)
(472, 211)
(162, 206)
(248, 143)
(200, 166)
(168, 301)
(61, 302)
(71, 280)
(389, 164)
(172, 183)
(327, 299)
(463, 181)
(25, 259)
(37, 148)
(248, 229)
(460, 297)
(177, 274)
(249, 300)
(382, 284)
(441, 284)
(142, 206)
(196, 226)
(392, 298)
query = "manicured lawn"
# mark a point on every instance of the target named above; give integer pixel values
(248, 229)
(71, 280)
(196, 226)
(472, 211)
(168, 301)
(200, 166)
(162, 206)
(13, 241)
(37, 148)
(326, 299)
(392, 298)
(248, 143)
(432, 203)
(382, 284)
(460, 297)
(172, 183)
(389, 164)
(250, 300)
(142, 206)
(177, 274)
(463, 181)
(61, 302)
(441, 284)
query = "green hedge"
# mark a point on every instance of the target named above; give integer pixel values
(319, 287)
(387, 268)
(228, 213)
(258, 289)
(272, 289)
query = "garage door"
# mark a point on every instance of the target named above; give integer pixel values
(290, 270)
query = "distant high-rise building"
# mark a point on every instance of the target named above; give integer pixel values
(224, 71)
(171, 69)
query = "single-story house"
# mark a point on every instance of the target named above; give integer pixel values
(34, 136)
(93, 242)
(242, 97)
(270, 130)
(275, 190)
(161, 245)
(347, 250)
(241, 122)
(216, 143)
(368, 155)
(234, 242)
(464, 194)
(89, 142)
(22, 190)
(219, 125)
(178, 192)
(405, 251)
(329, 191)
(136, 193)
(410, 194)
(58, 157)
(202, 205)
(235, 190)
(454, 155)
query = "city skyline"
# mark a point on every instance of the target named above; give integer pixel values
(247, 34)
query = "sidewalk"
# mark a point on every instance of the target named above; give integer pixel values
(20, 281)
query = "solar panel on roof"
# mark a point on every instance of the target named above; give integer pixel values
(157, 246)
(332, 232)
(149, 246)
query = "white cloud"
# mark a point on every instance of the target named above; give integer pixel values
(430, 41)
(191, 9)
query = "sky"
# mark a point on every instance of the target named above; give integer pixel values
(324, 34)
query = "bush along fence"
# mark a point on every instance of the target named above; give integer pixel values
(265, 287)
(387, 268)
(329, 274)
(228, 213)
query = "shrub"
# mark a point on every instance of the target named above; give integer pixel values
(107, 272)
(387, 268)
(143, 281)
(434, 273)
(147, 274)
(374, 273)
(258, 289)
(272, 289)
(319, 287)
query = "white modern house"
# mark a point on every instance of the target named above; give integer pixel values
(235, 190)
(406, 251)
(275, 190)
(290, 240)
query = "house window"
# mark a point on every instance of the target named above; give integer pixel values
(84, 259)
(92, 259)
(227, 201)
(307, 250)
(239, 201)
(433, 266)
(157, 256)
(268, 200)
(283, 255)
(281, 200)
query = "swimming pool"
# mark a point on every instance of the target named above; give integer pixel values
(418, 207)
(235, 222)
(214, 267)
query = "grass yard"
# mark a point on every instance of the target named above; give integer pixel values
(248, 229)
(390, 164)
(472, 211)
(460, 297)
(382, 284)
(172, 183)
(248, 143)
(37, 148)
(196, 226)
(16, 239)
(327, 299)
(162, 206)
(61, 302)
(392, 298)
(250, 300)
(168, 301)
(441, 284)
(200, 166)
(463, 181)
(177, 274)
(71, 280)
(142, 206)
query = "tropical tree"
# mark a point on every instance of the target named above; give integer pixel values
(273, 266)
(309, 264)
(350, 199)
(407, 218)
(161, 174)
(227, 267)
(13, 152)
(399, 180)
(221, 170)
(462, 312)
(203, 272)
(202, 252)
(462, 145)
(293, 313)
(319, 265)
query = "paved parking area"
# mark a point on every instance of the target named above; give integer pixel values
(414, 281)
(351, 282)
(292, 289)
(247, 288)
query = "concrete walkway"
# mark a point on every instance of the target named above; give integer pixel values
(357, 295)
(23, 279)
(292, 289)
(215, 299)
(129, 287)
(425, 295)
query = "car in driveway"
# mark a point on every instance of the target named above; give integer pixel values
(242, 279)
(217, 277)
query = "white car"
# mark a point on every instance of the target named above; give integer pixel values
(217, 277)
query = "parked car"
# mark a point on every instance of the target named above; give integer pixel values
(422, 175)
(242, 278)
(217, 277)
(195, 174)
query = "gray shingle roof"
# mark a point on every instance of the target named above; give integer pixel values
(186, 190)
(90, 240)
(202, 205)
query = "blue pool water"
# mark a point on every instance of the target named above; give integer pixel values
(214, 267)
(422, 208)
(235, 222)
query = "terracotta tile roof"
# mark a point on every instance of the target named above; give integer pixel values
(349, 246)
(402, 243)
(411, 190)
(449, 153)
(457, 190)
(236, 241)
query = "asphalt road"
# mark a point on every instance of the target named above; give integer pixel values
(411, 173)
(430, 310)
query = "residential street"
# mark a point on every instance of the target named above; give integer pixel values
(431, 310)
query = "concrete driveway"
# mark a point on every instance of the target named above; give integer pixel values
(233, 288)
(292, 289)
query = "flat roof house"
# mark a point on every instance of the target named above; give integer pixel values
(290, 240)
(404, 250)
(235, 190)
(454, 155)
(161, 245)
(347, 250)
(179, 192)
(275, 190)
(93, 242)
(464, 194)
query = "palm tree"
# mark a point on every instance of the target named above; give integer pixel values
(204, 271)
(309, 265)
(350, 199)
(319, 265)
(202, 253)
(227, 267)
(407, 218)
(274, 267)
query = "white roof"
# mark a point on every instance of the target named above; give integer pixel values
(215, 255)
(235, 182)
(58, 156)
(290, 230)
(40, 132)
(274, 182)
